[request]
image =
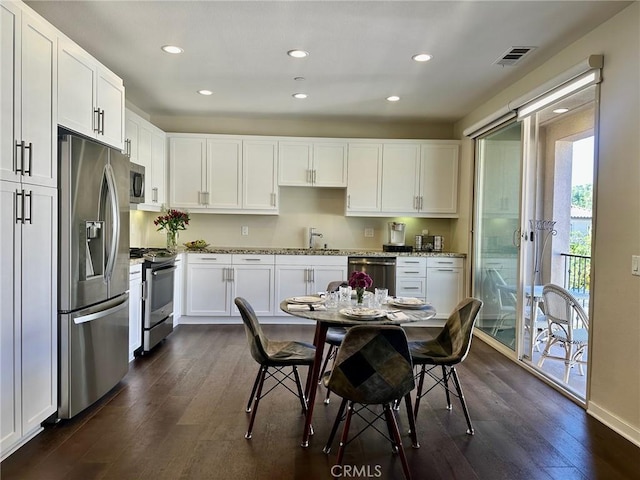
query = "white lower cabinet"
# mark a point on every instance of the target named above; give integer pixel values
(445, 284)
(178, 289)
(28, 308)
(214, 280)
(411, 277)
(307, 274)
(135, 309)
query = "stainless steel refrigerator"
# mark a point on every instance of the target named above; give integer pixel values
(93, 297)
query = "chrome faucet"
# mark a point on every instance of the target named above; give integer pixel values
(313, 233)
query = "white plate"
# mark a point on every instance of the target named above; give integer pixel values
(363, 313)
(407, 302)
(305, 300)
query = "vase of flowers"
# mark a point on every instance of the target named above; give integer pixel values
(359, 281)
(172, 221)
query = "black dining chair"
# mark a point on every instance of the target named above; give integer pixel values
(444, 352)
(273, 357)
(372, 367)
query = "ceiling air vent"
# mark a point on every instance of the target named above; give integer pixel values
(513, 56)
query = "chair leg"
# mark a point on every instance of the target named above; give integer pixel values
(419, 392)
(345, 433)
(262, 374)
(445, 380)
(336, 424)
(253, 391)
(456, 380)
(330, 354)
(393, 428)
(303, 401)
(412, 421)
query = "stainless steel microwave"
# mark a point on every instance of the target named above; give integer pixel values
(136, 183)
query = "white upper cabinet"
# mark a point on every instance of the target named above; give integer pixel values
(400, 177)
(28, 146)
(146, 145)
(90, 97)
(312, 163)
(439, 179)
(364, 172)
(223, 174)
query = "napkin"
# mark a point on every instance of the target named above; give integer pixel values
(397, 316)
(303, 307)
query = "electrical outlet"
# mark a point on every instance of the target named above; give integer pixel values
(635, 265)
(368, 232)
(245, 230)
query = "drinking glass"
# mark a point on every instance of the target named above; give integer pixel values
(331, 300)
(381, 296)
(345, 294)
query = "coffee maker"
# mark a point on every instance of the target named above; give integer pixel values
(396, 238)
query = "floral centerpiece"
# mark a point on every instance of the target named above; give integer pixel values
(172, 221)
(359, 281)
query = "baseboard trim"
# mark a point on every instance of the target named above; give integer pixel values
(615, 423)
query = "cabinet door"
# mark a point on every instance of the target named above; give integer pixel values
(76, 80)
(144, 158)
(260, 175)
(224, 173)
(329, 164)
(39, 307)
(187, 168)
(400, 177)
(110, 102)
(295, 164)
(439, 179)
(9, 77)
(208, 290)
(445, 288)
(364, 175)
(256, 284)
(158, 169)
(10, 254)
(291, 281)
(131, 133)
(322, 275)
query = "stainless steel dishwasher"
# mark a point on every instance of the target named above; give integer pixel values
(382, 270)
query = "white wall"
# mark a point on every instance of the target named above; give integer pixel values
(614, 370)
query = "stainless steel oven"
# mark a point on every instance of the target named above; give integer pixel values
(158, 272)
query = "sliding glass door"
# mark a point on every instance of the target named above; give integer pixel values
(496, 231)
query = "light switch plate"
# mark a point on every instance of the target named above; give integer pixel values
(635, 265)
(368, 232)
(245, 230)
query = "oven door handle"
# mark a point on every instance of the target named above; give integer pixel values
(164, 271)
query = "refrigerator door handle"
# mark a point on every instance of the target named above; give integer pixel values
(93, 313)
(115, 217)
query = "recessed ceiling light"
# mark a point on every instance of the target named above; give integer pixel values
(298, 53)
(422, 57)
(172, 49)
(299, 95)
(561, 110)
(205, 92)
(393, 98)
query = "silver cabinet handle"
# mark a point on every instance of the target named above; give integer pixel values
(101, 115)
(445, 269)
(313, 274)
(252, 259)
(314, 176)
(309, 176)
(154, 194)
(412, 271)
(415, 202)
(273, 199)
(30, 197)
(19, 205)
(348, 201)
(411, 288)
(96, 120)
(29, 147)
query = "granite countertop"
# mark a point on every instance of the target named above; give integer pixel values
(329, 251)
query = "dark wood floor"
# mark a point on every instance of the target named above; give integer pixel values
(179, 414)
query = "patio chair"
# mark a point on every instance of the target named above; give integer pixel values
(568, 327)
(444, 352)
(372, 367)
(273, 357)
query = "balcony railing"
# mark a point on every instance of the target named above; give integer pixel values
(577, 273)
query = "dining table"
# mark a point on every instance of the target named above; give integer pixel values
(387, 314)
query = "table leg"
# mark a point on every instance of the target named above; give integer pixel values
(312, 379)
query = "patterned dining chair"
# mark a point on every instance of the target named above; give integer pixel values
(273, 357)
(444, 352)
(372, 367)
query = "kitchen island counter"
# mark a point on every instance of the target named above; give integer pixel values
(334, 252)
